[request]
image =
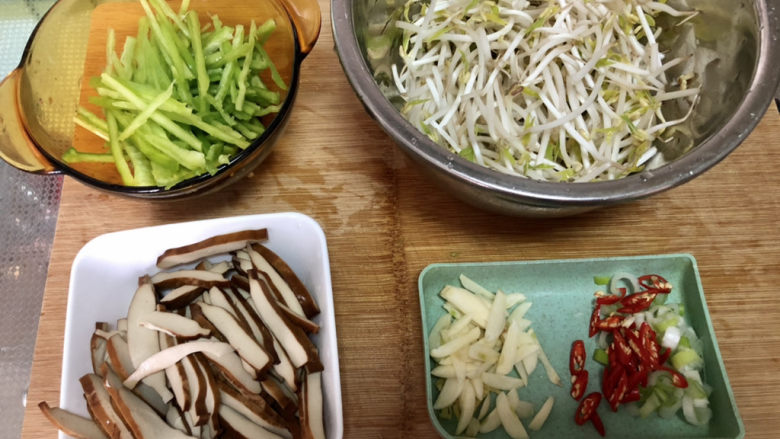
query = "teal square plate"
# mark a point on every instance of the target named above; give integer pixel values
(562, 295)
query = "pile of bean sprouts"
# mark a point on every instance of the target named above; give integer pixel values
(556, 90)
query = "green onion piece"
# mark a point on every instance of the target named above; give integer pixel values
(601, 280)
(600, 356)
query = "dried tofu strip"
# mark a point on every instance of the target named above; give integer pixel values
(229, 367)
(256, 326)
(241, 427)
(302, 294)
(254, 408)
(246, 346)
(311, 407)
(200, 278)
(210, 247)
(182, 296)
(287, 402)
(197, 390)
(282, 289)
(177, 377)
(100, 408)
(142, 342)
(173, 324)
(71, 424)
(298, 320)
(142, 421)
(119, 358)
(168, 357)
(299, 348)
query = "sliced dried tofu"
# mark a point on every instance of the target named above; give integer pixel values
(173, 324)
(240, 427)
(71, 424)
(311, 407)
(200, 278)
(254, 408)
(168, 357)
(142, 342)
(215, 245)
(299, 348)
(246, 346)
(141, 419)
(101, 409)
(302, 294)
(181, 296)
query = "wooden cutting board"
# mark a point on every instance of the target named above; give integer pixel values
(385, 222)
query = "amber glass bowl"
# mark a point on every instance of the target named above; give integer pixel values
(39, 99)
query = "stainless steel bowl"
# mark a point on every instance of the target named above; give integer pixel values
(738, 55)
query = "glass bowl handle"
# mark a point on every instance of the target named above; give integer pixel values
(307, 19)
(16, 147)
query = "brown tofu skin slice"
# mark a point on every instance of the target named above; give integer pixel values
(307, 302)
(215, 245)
(101, 409)
(269, 310)
(311, 407)
(71, 424)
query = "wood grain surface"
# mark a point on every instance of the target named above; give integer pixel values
(385, 222)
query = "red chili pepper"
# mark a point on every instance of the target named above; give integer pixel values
(587, 408)
(622, 350)
(619, 392)
(610, 323)
(595, 318)
(638, 377)
(656, 282)
(632, 395)
(596, 420)
(577, 357)
(649, 344)
(610, 379)
(637, 302)
(612, 357)
(677, 379)
(664, 356)
(579, 385)
(635, 343)
(612, 298)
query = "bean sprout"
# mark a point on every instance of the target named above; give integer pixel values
(555, 90)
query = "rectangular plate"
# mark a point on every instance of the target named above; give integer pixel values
(562, 296)
(105, 275)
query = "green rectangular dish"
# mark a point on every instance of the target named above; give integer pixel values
(562, 295)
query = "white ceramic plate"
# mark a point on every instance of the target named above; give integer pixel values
(105, 275)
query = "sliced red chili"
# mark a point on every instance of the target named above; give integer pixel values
(664, 356)
(622, 350)
(635, 343)
(677, 378)
(579, 385)
(632, 395)
(610, 323)
(587, 408)
(637, 302)
(612, 357)
(596, 420)
(619, 392)
(611, 299)
(638, 376)
(654, 281)
(649, 344)
(577, 357)
(595, 318)
(610, 379)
